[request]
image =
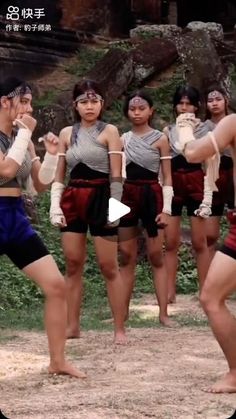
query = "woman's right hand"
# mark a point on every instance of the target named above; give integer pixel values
(26, 121)
(57, 218)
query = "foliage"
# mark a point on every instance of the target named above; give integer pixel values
(85, 59)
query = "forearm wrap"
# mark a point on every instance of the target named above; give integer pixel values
(48, 168)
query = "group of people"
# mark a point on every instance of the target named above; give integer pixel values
(145, 169)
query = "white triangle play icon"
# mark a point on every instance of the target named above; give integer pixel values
(116, 210)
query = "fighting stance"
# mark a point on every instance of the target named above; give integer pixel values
(146, 151)
(216, 103)
(188, 185)
(221, 278)
(17, 238)
(91, 149)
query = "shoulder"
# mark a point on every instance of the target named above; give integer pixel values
(111, 129)
(65, 132)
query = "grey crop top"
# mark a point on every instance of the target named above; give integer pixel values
(138, 149)
(85, 148)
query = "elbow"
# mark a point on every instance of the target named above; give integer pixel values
(190, 156)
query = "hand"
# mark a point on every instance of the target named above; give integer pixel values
(187, 120)
(51, 142)
(26, 121)
(162, 220)
(57, 218)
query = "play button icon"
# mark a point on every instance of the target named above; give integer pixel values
(116, 210)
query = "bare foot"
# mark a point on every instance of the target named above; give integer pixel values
(227, 384)
(66, 369)
(72, 333)
(167, 322)
(120, 338)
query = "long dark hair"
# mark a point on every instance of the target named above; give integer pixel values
(85, 86)
(224, 94)
(190, 92)
(140, 93)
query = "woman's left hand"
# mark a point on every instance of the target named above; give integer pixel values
(51, 142)
(162, 220)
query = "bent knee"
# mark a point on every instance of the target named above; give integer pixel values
(56, 287)
(209, 301)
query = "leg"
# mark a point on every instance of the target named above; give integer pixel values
(199, 243)
(128, 261)
(212, 233)
(74, 248)
(47, 276)
(107, 255)
(172, 242)
(155, 255)
(219, 284)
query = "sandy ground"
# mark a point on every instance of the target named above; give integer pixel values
(159, 374)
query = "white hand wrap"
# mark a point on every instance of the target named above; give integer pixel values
(19, 147)
(48, 168)
(204, 209)
(168, 194)
(56, 214)
(185, 124)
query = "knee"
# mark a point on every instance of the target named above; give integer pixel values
(212, 240)
(156, 259)
(209, 301)
(109, 269)
(172, 246)
(56, 288)
(74, 265)
(127, 258)
(199, 245)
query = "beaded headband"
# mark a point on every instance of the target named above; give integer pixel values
(20, 90)
(89, 95)
(214, 94)
(137, 101)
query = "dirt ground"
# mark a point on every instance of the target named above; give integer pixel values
(159, 374)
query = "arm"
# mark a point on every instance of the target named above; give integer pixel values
(57, 217)
(167, 188)
(202, 149)
(10, 163)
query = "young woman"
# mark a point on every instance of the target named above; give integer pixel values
(91, 150)
(188, 184)
(146, 151)
(17, 238)
(221, 277)
(217, 108)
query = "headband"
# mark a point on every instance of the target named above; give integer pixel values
(214, 94)
(89, 95)
(20, 90)
(138, 101)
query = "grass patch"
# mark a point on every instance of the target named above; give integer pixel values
(191, 320)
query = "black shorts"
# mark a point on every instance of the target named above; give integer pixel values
(190, 204)
(24, 253)
(79, 226)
